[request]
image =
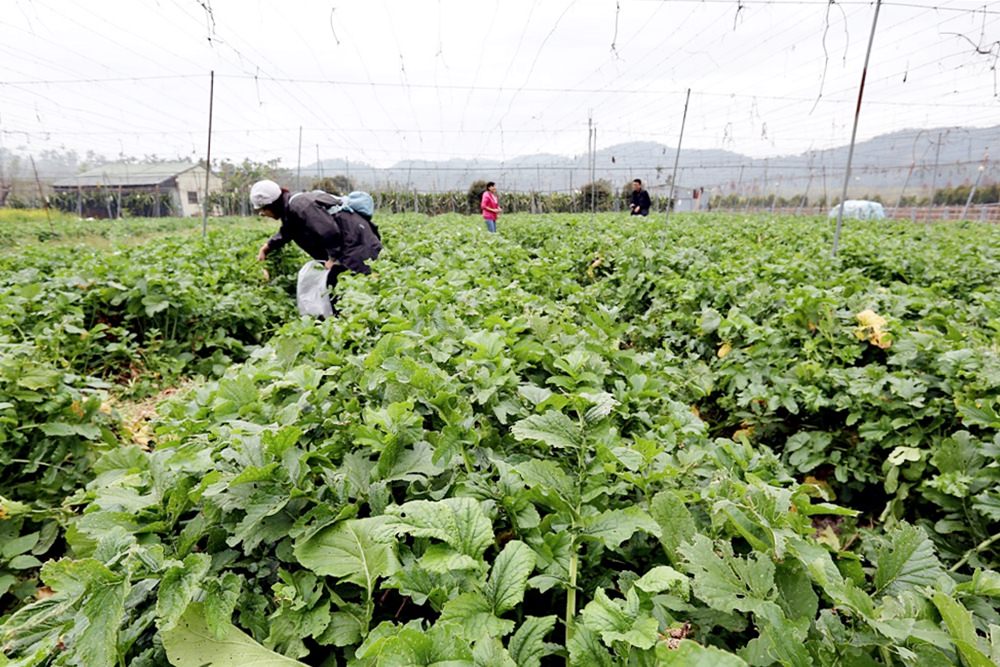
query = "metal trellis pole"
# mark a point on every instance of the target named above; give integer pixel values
(972, 192)
(208, 155)
(854, 132)
(937, 156)
(677, 157)
(593, 178)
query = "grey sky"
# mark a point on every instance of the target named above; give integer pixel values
(383, 80)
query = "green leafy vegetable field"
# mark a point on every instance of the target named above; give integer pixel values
(611, 443)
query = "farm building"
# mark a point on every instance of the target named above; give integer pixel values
(152, 189)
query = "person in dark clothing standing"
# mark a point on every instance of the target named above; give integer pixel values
(640, 202)
(343, 241)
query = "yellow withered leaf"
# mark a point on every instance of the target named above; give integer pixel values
(869, 328)
(724, 349)
(869, 318)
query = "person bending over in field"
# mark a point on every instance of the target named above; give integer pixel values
(344, 240)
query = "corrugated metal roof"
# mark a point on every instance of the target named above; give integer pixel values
(120, 173)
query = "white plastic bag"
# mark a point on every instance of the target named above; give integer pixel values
(312, 294)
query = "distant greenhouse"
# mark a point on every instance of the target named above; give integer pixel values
(149, 190)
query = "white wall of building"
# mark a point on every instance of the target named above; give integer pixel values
(190, 194)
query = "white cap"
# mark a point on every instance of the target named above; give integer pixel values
(263, 193)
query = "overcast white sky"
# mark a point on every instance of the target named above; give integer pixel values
(378, 81)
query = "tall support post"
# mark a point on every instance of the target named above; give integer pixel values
(677, 157)
(906, 182)
(805, 196)
(764, 190)
(826, 197)
(972, 192)
(41, 195)
(572, 194)
(208, 155)
(298, 167)
(854, 132)
(739, 188)
(590, 159)
(913, 165)
(937, 156)
(593, 178)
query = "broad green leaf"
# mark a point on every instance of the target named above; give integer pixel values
(614, 623)
(980, 413)
(509, 576)
(692, 654)
(551, 428)
(586, 650)
(534, 394)
(221, 596)
(602, 403)
(502, 592)
(474, 613)
(349, 551)
(346, 627)
(234, 394)
(178, 587)
(550, 483)
(958, 620)
(905, 561)
(795, 592)
(23, 562)
(192, 644)
(19, 545)
(783, 639)
(676, 523)
(88, 431)
(727, 582)
(612, 527)
(442, 559)
(441, 645)
(459, 522)
(710, 320)
(39, 377)
(663, 578)
(527, 645)
(983, 582)
(413, 463)
(93, 641)
(6, 581)
(824, 572)
(751, 528)
(489, 652)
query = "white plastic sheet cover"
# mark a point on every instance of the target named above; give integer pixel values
(312, 294)
(860, 209)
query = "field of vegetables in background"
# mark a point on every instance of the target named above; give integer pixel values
(619, 443)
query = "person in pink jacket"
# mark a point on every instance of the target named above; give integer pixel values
(490, 206)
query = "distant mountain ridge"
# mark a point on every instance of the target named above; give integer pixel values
(881, 165)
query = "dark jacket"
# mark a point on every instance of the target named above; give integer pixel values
(641, 199)
(344, 236)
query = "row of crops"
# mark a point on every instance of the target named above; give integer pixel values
(621, 444)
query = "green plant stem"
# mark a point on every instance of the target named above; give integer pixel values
(469, 468)
(982, 546)
(571, 596)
